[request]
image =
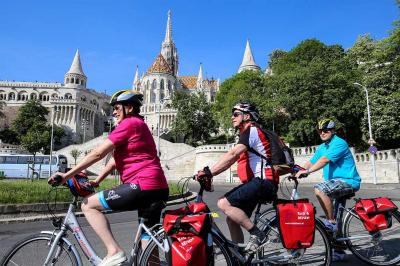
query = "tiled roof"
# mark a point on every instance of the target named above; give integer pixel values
(210, 83)
(188, 82)
(160, 66)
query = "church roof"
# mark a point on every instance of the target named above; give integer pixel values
(76, 67)
(160, 66)
(188, 82)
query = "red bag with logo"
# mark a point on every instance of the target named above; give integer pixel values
(296, 220)
(189, 234)
(376, 213)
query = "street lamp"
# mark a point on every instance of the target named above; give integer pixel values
(55, 110)
(371, 140)
(162, 101)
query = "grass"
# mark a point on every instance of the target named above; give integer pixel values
(26, 191)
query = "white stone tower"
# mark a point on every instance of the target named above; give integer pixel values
(248, 62)
(75, 77)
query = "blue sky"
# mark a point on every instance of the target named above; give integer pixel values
(39, 38)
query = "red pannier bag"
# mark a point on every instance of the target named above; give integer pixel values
(376, 213)
(189, 235)
(296, 220)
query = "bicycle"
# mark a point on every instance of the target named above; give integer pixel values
(54, 248)
(375, 248)
(227, 252)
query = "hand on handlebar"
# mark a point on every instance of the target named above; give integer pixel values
(94, 183)
(57, 179)
(204, 177)
(302, 173)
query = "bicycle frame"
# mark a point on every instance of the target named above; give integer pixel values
(70, 223)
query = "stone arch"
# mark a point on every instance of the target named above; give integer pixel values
(77, 81)
(44, 96)
(83, 98)
(67, 80)
(33, 96)
(54, 96)
(68, 96)
(22, 96)
(169, 88)
(3, 95)
(72, 80)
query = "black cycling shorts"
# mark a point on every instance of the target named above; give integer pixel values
(248, 195)
(129, 197)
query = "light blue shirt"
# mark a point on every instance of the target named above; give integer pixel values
(341, 165)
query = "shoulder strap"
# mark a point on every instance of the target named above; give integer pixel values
(260, 155)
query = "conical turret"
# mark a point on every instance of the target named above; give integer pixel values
(136, 81)
(75, 77)
(200, 77)
(248, 62)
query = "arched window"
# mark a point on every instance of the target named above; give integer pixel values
(33, 96)
(162, 93)
(169, 88)
(67, 80)
(77, 81)
(54, 96)
(83, 98)
(2, 94)
(22, 96)
(11, 96)
(68, 96)
(72, 80)
(44, 96)
(153, 91)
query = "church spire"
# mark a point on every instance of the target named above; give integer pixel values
(168, 31)
(248, 62)
(200, 77)
(136, 81)
(75, 77)
(168, 49)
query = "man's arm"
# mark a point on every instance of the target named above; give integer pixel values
(228, 159)
(106, 171)
(322, 161)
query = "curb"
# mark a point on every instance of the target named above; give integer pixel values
(173, 200)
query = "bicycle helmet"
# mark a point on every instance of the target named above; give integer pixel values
(127, 97)
(326, 124)
(249, 108)
(80, 186)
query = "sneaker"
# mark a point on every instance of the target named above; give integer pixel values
(331, 227)
(114, 260)
(254, 243)
(338, 255)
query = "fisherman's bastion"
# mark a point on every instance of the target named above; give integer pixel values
(85, 115)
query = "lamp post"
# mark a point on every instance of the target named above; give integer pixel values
(55, 110)
(162, 101)
(371, 140)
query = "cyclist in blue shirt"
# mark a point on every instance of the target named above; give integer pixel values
(340, 174)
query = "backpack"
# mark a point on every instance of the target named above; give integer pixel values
(282, 159)
(189, 235)
(376, 213)
(296, 223)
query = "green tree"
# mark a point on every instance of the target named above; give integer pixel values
(312, 81)
(194, 119)
(37, 137)
(245, 86)
(29, 114)
(8, 135)
(75, 154)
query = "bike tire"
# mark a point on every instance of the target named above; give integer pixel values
(320, 253)
(381, 248)
(33, 251)
(149, 257)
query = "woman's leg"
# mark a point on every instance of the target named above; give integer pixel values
(92, 208)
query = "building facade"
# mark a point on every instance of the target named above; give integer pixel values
(160, 81)
(81, 112)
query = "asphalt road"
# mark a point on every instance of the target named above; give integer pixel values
(124, 225)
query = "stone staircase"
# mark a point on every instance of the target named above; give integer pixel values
(177, 159)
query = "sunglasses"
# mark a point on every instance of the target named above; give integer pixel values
(320, 131)
(236, 114)
(117, 107)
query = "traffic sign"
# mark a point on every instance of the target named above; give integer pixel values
(372, 149)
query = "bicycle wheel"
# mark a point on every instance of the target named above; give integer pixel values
(319, 253)
(152, 255)
(380, 248)
(33, 251)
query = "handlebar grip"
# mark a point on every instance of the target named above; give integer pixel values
(57, 180)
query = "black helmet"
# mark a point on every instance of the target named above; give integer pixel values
(127, 97)
(247, 108)
(326, 124)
